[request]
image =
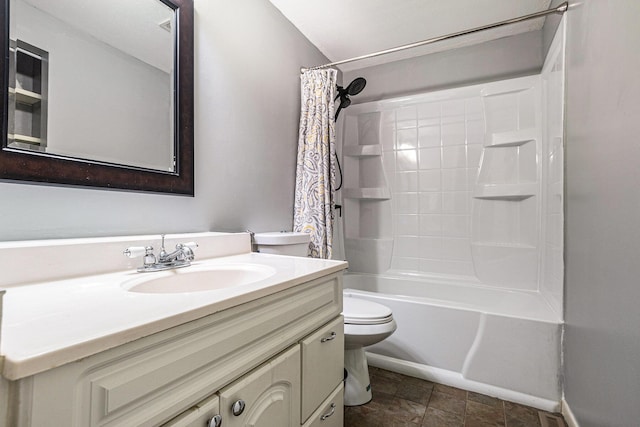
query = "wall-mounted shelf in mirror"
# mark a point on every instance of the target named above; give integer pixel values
(27, 106)
(93, 100)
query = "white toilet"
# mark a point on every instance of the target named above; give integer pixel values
(282, 243)
(365, 322)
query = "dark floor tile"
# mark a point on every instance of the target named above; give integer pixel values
(418, 382)
(459, 393)
(475, 422)
(447, 402)
(520, 416)
(358, 419)
(363, 416)
(373, 370)
(479, 414)
(403, 401)
(380, 403)
(392, 376)
(484, 399)
(406, 411)
(383, 386)
(414, 393)
(396, 423)
(437, 418)
(384, 381)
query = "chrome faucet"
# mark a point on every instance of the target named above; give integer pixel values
(181, 257)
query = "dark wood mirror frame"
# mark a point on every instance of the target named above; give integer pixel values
(17, 165)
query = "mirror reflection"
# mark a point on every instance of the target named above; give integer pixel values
(93, 80)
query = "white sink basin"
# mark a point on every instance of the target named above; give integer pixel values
(198, 278)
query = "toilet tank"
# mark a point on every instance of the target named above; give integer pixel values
(283, 243)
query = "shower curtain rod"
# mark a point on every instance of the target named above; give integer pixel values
(560, 9)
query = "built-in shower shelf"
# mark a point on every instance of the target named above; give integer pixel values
(25, 138)
(362, 150)
(508, 192)
(504, 88)
(376, 193)
(26, 96)
(512, 139)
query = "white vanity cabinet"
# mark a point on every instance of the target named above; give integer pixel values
(281, 354)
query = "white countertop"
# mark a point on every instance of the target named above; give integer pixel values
(49, 324)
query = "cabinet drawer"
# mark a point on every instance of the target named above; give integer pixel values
(331, 412)
(322, 364)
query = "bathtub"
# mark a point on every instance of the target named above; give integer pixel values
(498, 342)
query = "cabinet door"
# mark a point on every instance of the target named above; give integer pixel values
(267, 397)
(198, 416)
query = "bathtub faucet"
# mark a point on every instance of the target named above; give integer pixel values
(180, 257)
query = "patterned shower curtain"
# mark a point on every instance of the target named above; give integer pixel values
(315, 173)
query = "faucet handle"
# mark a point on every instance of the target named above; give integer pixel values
(190, 245)
(136, 251)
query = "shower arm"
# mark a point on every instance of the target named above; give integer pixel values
(559, 10)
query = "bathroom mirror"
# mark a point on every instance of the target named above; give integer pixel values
(98, 93)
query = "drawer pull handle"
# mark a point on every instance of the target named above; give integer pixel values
(328, 414)
(238, 407)
(215, 421)
(329, 338)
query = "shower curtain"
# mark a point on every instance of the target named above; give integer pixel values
(315, 172)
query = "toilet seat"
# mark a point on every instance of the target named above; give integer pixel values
(358, 311)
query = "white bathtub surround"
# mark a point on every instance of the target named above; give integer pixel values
(72, 314)
(493, 341)
(315, 171)
(552, 262)
(454, 183)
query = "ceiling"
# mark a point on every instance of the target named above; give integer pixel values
(344, 29)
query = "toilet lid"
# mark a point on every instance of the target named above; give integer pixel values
(362, 312)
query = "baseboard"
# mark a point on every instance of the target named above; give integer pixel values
(455, 379)
(569, 418)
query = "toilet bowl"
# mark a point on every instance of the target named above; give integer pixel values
(365, 323)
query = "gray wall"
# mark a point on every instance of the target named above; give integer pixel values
(499, 59)
(248, 58)
(602, 302)
(109, 87)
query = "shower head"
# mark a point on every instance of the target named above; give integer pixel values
(354, 88)
(345, 102)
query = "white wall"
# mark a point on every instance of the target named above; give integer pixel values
(602, 338)
(248, 59)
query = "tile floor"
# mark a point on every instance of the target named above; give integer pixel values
(402, 401)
